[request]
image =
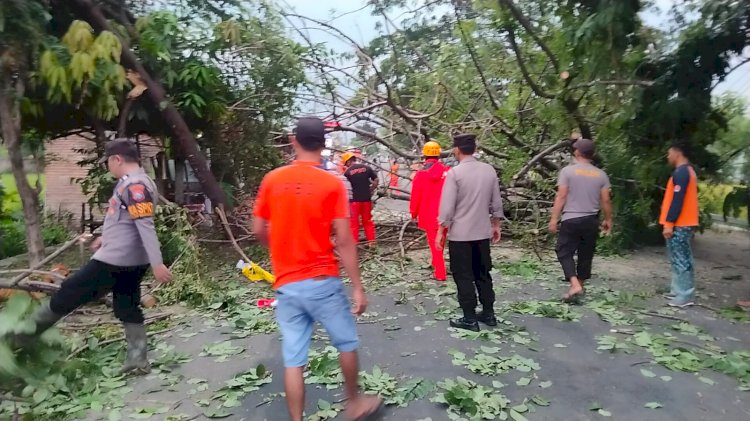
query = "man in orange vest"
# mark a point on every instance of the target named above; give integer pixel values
(679, 217)
(425, 202)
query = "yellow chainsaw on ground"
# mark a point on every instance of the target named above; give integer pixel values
(254, 272)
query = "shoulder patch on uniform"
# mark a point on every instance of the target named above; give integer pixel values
(140, 203)
(137, 192)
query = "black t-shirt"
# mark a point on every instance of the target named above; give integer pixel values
(360, 176)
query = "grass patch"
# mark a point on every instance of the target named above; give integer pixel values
(12, 201)
(711, 198)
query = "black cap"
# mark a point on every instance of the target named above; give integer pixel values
(585, 147)
(310, 133)
(123, 147)
(465, 140)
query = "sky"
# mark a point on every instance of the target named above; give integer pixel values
(355, 19)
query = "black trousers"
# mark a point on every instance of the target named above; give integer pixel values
(95, 280)
(471, 264)
(577, 235)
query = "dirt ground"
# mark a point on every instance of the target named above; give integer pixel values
(722, 267)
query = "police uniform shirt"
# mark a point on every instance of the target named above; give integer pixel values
(128, 234)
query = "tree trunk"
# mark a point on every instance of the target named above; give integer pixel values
(180, 175)
(181, 134)
(10, 120)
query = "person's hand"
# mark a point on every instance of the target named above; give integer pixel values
(96, 244)
(439, 245)
(496, 234)
(668, 232)
(360, 301)
(607, 227)
(162, 274)
(553, 226)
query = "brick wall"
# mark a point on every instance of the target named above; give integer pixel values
(62, 192)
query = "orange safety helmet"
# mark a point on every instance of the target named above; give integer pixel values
(346, 157)
(431, 148)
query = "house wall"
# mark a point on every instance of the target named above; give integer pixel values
(63, 193)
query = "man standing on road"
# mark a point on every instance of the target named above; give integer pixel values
(297, 209)
(582, 190)
(364, 181)
(470, 211)
(123, 253)
(679, 217)
(425, 202)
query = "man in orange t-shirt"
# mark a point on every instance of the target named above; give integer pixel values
(679, 217)
(297, 209)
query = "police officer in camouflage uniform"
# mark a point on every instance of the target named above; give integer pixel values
(123, 254)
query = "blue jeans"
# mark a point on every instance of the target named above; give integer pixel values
(301, 304)
(681, 257)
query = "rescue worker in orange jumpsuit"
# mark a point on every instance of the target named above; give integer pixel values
(425, 202)
(394, 174)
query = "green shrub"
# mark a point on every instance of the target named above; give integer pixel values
(55, 228)
(723, 199)
(14, 238)
(12, 230)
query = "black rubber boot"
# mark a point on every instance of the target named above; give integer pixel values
(44, 318)
(136, 361)
(464, 323)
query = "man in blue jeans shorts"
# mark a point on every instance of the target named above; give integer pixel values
(297, 209)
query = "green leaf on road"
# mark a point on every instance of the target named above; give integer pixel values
(523, 381)
(539, 400)
(517, 416)
(653, 405)
(707, 381)
(647, 373)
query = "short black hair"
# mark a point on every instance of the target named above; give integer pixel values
(681, 147)
(466, 143)
(310, 133)
(467, 149)
(129, 159)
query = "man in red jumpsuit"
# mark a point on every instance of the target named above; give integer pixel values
(425, 202)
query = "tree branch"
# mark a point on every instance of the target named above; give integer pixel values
(522, 65)
(30, 286)
(375, 137)
(539, 156)
(526, 23)
(48, 259)
(474, 59)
